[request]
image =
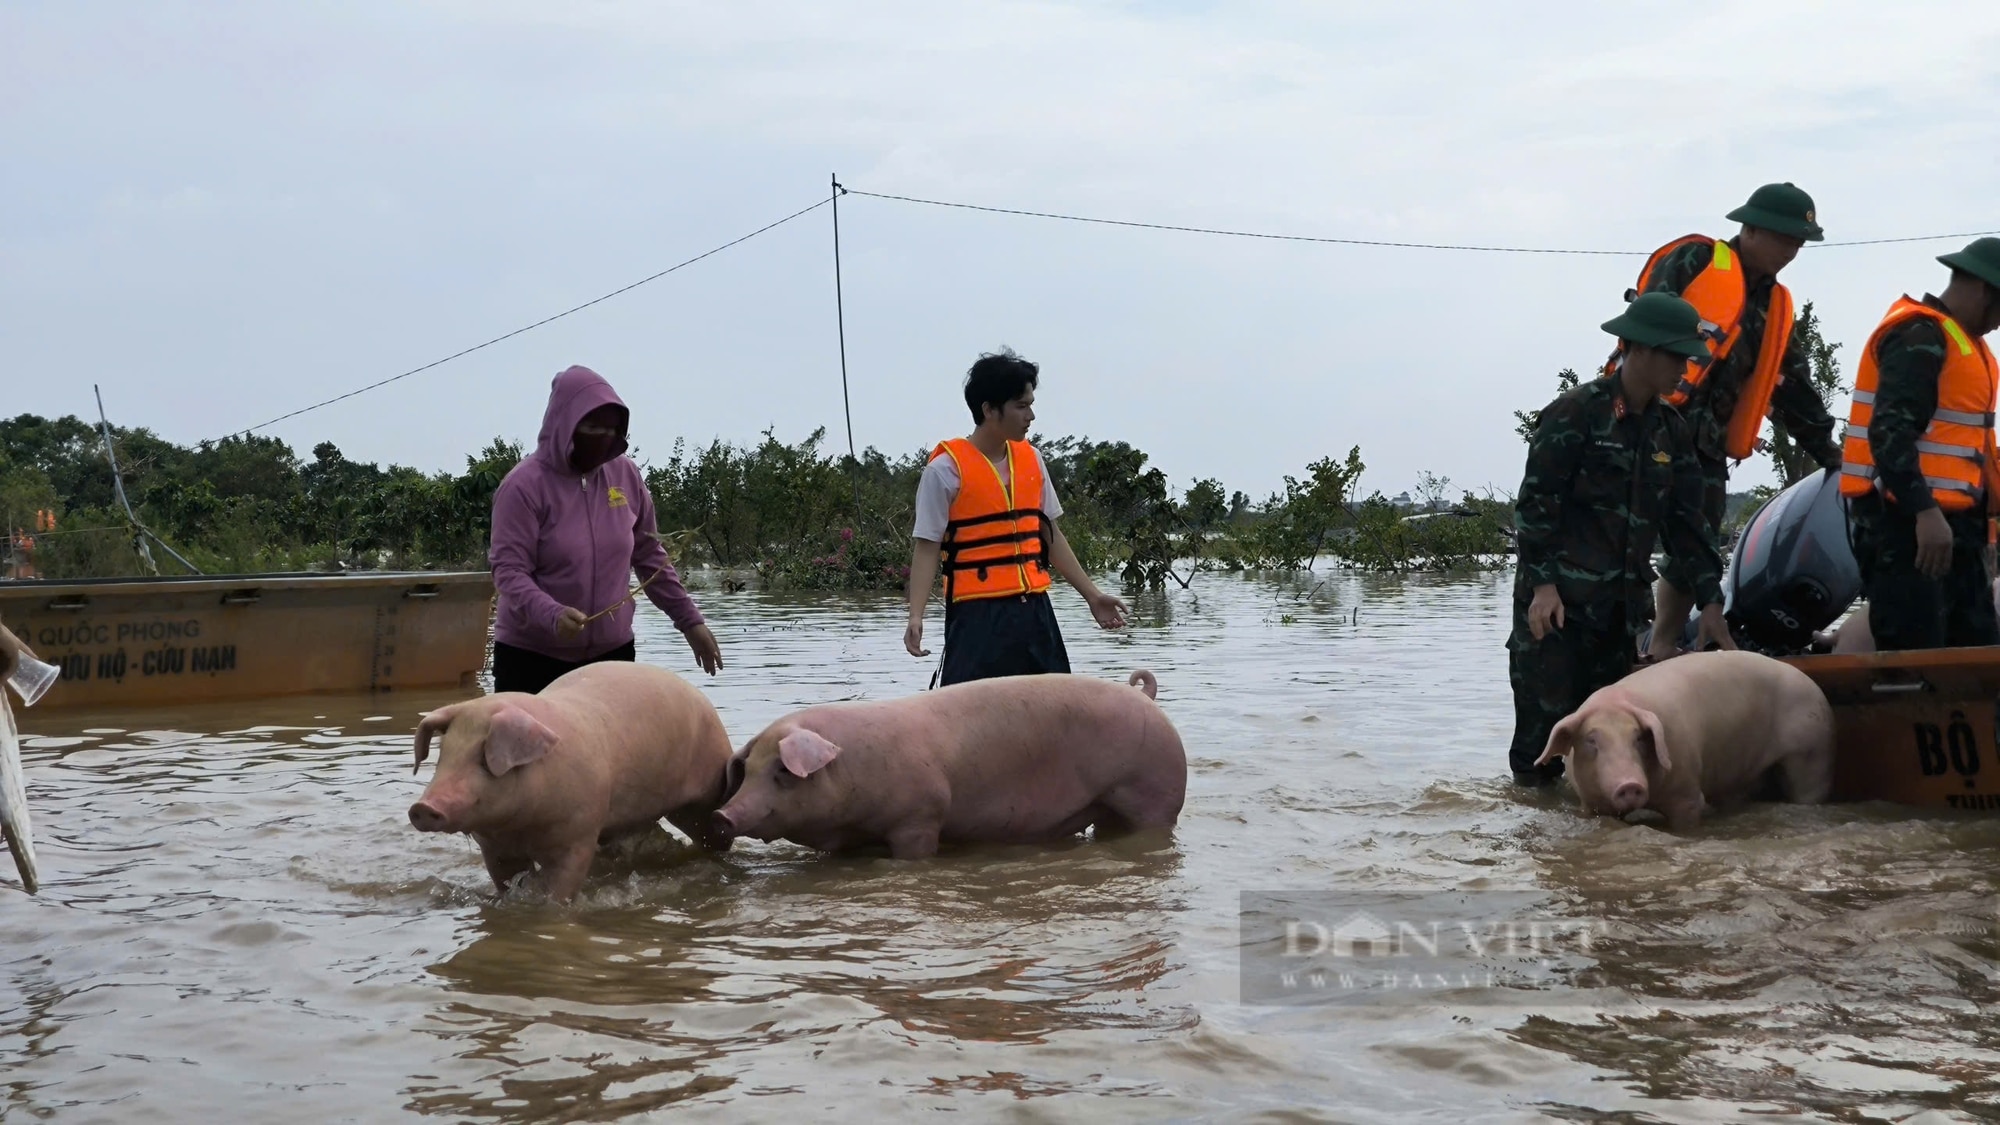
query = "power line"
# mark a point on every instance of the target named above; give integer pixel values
(1351, 241)
(1907, 238)
(537, 324)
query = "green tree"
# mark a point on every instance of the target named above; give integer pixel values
(1525, 421)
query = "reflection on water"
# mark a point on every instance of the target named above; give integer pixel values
(237, 916)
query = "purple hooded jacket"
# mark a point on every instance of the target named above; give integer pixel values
(560, 539)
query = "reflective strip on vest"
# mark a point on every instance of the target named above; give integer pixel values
(1970, 453)
(1867, 472)
(1943, 450)
(1962, 419)
(1958, 417)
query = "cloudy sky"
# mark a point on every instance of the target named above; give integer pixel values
(221, 212)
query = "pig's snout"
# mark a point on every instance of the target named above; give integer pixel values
(722, 827)
(1628, 797)
(425, 817)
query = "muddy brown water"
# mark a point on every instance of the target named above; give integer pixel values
(238, 923)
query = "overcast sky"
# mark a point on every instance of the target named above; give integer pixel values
(221, 212)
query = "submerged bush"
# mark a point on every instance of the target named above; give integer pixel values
(793, 514)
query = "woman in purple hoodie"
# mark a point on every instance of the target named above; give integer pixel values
(571, 524)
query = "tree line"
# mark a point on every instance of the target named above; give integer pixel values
(790, 514)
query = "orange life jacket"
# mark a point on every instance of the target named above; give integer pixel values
(994, 546)
(1719, 293)
(1956, 451)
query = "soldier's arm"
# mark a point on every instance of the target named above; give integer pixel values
(1797, 407)
(1553, 453)
(1686, 530)
(1679, 269)
(1908, 362)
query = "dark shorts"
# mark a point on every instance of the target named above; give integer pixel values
(1714, 501)
(990, 637)
(517, 669)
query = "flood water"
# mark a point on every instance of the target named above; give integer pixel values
(238, 923)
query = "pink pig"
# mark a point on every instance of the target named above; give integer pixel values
(1017, 759)
(1695, 730)
(539, 781)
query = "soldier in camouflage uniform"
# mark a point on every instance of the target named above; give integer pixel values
(1609, 468)
(1924, 570)
(1777, 221)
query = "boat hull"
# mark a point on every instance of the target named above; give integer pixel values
(1914, 728)
(137, 642)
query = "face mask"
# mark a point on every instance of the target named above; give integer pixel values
(593, 445)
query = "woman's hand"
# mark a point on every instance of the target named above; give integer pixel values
(571, 623)
(707, 652)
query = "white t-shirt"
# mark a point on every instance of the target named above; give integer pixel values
(939, 487)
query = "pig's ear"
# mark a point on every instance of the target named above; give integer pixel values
(804, 752)
(732, 774)
(1652, 724)
(516, 738)
(432, 725)
(1561, 740)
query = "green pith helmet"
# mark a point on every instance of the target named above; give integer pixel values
(1661, 320)
(1782, 208)
(1981, 259)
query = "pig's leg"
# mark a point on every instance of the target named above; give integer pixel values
(1808, 776)
(1683, 814)
(563, 872)
(504, 868)
(698, 823)
(916, 841)
(1138, 807)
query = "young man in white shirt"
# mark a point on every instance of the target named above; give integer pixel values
(995, 545)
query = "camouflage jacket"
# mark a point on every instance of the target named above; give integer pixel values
(1795, 403)
(1603, 484)
(1908, 360)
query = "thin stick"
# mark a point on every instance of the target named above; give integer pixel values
(662, 540)
(628, 597)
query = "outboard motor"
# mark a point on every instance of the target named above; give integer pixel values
(1793, 572)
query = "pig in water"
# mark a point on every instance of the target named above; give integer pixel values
(1699, 728)
(1017, 759)
(540, 780)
